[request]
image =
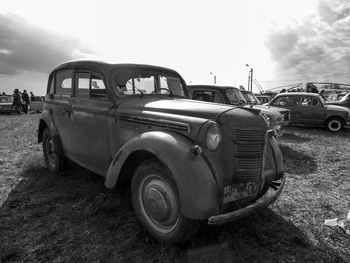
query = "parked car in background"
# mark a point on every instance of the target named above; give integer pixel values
(310, 109)
(6, 104)
(36, 104)
(263, 98)
(278, 117)
(183, 161)
(253, 100)
(344, 101)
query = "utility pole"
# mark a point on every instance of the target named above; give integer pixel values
(213, 76)
(250, 78)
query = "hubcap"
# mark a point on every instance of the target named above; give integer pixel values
(159, 204)
(334, 125)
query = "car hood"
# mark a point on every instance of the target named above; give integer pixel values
(170, 107)
(273, 108)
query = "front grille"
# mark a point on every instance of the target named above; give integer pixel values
(285, 115)
(248, 147)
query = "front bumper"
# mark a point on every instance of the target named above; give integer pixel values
(262, 202)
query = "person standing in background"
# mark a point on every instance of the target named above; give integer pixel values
(32, 97)
(17, 101)
(25, 97)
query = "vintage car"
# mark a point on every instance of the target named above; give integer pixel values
(344, 101)
(278, 117)
(263, 98)
(6, 104)
(184, 161)
(310, 109)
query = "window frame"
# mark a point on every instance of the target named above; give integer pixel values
(91, 75)
(58, 90)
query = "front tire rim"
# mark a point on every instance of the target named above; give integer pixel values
(50, 151)
(334, 125)
(158, 203)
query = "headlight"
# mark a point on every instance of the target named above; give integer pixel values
(213, 137)
(267, 120)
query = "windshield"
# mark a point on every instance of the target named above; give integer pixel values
(235, 96)
(345, 98)
(146, 82)
(250, 97)
(5, 99)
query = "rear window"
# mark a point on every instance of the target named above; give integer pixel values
(64, 82)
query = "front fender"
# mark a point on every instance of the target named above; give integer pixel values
(273, 161)
(198, 192)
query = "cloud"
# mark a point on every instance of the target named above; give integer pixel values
(25, 47)
(317, 48)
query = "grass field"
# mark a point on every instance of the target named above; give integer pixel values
(74, 218)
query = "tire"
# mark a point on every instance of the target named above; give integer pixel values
(55, 162)
(335, 124)
(161, 215)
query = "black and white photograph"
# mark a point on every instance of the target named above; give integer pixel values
(175, 131)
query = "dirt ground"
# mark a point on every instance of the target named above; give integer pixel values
(74, 218)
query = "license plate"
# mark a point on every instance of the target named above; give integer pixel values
(240, 190)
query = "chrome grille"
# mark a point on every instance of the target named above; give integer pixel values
(248, 147)
(285, 115)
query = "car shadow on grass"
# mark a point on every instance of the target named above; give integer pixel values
(321, 131)
(296, 162)
(74, 218)
(291, 137)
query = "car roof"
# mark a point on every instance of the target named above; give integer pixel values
(106, 66)
(297, 94)
(206, 86)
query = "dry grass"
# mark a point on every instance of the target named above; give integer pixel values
(74, 218)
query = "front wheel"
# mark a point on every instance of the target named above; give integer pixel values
(335, 124)
(54, 161)
(156, 203)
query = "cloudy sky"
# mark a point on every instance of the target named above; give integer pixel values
(284, 41)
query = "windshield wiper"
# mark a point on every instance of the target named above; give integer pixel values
(139, 91)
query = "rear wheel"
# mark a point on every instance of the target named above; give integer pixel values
(335, 124)
(156, 203)
(54, 161)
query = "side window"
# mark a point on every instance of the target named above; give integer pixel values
(316, 102)
(306, 101)
(64, 82)
(98, 88)
(82, 82)
(203, 96)
(171, 83)
(218, 98)
(283, 101)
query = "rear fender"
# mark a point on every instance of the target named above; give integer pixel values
(47, 122)
(198, 192)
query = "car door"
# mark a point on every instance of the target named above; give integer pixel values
(60, 108)
(90, 108)
(309, 111)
